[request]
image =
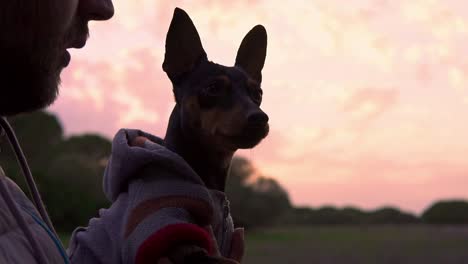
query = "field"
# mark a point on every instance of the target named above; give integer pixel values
(367, 244)
(357, 245)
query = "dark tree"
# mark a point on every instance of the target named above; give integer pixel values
(255, 202)
(68, 171)
(447, 212)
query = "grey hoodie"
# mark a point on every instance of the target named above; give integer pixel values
(157, 202)
(14, 245)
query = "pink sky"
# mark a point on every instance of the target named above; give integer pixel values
(368, 100)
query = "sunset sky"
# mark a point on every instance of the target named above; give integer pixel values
(368, 100)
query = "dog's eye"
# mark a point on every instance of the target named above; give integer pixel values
(257, 95)
(213, 89)
(211, 94)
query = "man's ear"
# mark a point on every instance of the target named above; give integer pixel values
(252, 52)
(183, 46)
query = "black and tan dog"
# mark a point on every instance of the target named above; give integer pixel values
(217, 108)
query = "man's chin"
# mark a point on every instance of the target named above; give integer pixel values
(27, 94)
(28, 82)
(16, 104)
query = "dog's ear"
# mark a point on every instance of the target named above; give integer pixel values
(183, 46)
(252, 52)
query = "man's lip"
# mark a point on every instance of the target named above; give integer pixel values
(66, 58)
(78, 43)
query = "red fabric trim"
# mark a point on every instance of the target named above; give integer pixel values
(156, 245)
(198, 208)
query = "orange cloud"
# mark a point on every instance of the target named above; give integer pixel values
(365, 105)
(109, 97)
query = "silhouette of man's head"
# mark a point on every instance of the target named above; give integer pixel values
(34, 38)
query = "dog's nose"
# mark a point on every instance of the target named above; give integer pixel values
(257, 118)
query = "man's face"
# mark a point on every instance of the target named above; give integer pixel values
(34, 38)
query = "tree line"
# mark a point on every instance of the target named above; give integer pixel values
(263, 201)
(69, 173)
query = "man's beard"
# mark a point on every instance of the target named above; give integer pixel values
(28, 80)
(30, 71)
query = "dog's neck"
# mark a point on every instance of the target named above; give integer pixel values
(211, 165)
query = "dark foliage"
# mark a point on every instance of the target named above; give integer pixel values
(447, 212)
(68, 171)
(347, 216)
(255, 201)
(389, 215)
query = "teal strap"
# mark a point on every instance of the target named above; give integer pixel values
(57, 242)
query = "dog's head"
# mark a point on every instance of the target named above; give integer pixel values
(218, 105)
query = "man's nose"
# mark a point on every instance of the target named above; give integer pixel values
(96, 9)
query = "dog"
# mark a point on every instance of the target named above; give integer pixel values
(217, 107)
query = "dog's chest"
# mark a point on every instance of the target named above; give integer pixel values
(222, 224)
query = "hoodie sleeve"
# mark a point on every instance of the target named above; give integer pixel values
(157, 219)
(168, 204)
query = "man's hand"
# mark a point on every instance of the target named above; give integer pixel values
(138, 141)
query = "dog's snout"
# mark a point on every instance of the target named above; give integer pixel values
(257, 118)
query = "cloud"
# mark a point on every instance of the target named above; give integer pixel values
(371, 181)
(372, 192)
(367, 104)
(108, 96)
(155, 16)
